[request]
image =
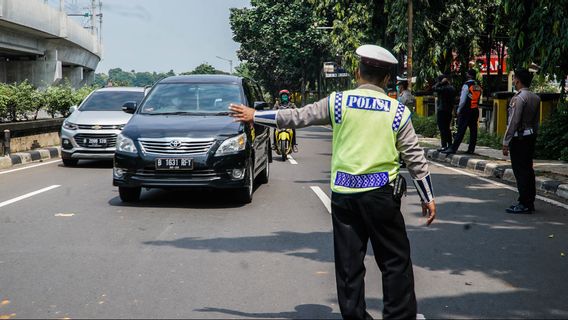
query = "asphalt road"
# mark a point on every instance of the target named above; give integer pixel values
(76, 251)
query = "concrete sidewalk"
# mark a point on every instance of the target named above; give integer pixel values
(37, 155)
(551, 176)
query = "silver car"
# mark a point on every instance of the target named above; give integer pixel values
(90, 131)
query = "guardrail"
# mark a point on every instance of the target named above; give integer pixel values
(12, 130)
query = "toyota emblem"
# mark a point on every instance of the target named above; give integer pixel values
(175, 144)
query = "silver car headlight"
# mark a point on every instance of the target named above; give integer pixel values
(69, 125)
(232, 145)
(125, 144)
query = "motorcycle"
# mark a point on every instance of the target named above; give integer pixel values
(284, 142)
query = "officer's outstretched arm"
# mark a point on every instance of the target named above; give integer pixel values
(413, 155)
(312, 114)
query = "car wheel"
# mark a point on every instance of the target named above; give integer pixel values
(265, 173)
(129, 194)
(70, 162)
(244, 195)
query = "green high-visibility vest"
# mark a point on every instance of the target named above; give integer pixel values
(365, 126)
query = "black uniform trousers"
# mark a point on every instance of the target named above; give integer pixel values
(522, 153)
(468, 118)
(444, 120)
(358, 218)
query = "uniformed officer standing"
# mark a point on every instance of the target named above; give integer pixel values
(520, 140)
(370, 129)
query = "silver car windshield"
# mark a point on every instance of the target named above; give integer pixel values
(110, 100)
(191, 98)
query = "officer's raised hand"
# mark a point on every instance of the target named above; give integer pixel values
(429, 211)
(242, 113)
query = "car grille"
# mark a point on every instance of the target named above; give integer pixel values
(195, 174)
(175, 146)
(99, 127)
(81, 138)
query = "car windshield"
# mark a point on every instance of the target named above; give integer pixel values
(191, 98)
(110, 100)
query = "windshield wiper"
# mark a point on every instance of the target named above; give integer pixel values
(223, 113)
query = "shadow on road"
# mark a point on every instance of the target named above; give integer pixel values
(504, 266)
(90, 164)
(303, 311)
(183, 198)
(316, 246)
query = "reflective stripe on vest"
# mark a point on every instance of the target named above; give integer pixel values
(365, 127)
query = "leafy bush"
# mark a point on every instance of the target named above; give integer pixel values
(552, 140)
(21, 101)
(425, 126)
(59, 99)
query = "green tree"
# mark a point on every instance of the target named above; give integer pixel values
(204, 68)
(538, 34)
(280, 42)
(59, 99)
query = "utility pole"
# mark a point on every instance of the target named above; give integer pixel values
(410, 45)
(93, 15)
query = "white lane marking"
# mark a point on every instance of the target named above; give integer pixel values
(25, 196)
(326, 127)
(25, 168)
(323, 197)
(65, 215)
(501, 185)
(292, 161)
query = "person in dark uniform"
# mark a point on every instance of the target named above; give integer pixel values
(520, 139)
(468, 114)
(444, 109)
(370, 129)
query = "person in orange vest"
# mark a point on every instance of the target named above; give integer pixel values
(468, 114)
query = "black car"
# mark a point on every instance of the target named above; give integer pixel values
(181, 135)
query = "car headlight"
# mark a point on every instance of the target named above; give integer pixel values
(69, 125)
(232, 145)
(125, 144)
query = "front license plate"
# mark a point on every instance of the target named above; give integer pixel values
(174, 164)
(96, 142)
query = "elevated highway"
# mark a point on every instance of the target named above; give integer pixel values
(45, 46)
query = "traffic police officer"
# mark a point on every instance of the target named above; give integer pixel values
(370, 130)
(520, 140)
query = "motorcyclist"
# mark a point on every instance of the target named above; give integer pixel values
(285, 103)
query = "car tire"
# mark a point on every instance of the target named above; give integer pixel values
(244, 195)
(70, 162)
(129, 194)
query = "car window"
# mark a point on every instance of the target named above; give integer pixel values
(110, 100)
(191, 97)
(249, 93)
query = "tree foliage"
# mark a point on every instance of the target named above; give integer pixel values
(121, 78)
(280, 42)
(539, 34)
(204, 68)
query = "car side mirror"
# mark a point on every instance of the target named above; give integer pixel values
(73, 109)
(130, 107)
(260, 105)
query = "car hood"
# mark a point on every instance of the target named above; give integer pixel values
(181, 126)
(99, 117)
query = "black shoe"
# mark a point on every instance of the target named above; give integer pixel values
(519, 209)
(470, 152)
(448, 151)
(442, 149)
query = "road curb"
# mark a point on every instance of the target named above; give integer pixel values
(496, 169)
(37, 155)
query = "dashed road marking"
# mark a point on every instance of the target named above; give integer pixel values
(323, 197)
(500, 185)
(30, 167)
(292, 161)
(28, 195)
